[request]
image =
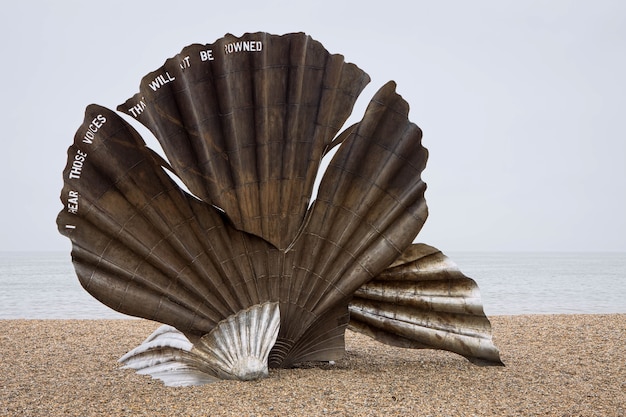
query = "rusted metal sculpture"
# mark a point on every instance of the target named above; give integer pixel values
(243, 268)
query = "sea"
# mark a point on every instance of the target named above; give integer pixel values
(43, 285)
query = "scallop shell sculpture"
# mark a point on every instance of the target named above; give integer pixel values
(227, 352)
(244, 269)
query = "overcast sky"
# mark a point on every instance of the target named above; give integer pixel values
(522, 103)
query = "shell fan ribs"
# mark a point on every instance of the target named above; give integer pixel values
(245, 263)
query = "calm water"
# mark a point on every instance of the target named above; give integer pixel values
(43, 285)
(546, 283)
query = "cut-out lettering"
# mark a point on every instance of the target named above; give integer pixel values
(77, 164)
(138, 108)
(243, 46)
(93, 128)
(72, 202)
(185, 63)
(161, 80)
(206, 55)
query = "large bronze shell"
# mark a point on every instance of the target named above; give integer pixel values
(244, 124)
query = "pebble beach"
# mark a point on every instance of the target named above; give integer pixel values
(556, 365)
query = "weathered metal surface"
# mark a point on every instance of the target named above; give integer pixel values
(423, 301)
(244, 123)
(237, 348)
(240, 345)
(167, 355)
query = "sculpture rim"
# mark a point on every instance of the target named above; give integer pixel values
(245, 131)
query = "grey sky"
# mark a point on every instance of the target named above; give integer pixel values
(522, 104)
